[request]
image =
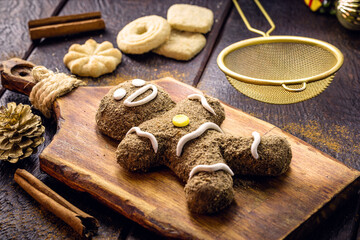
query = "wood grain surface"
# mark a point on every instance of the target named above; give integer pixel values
(13, 24)
(116, 15)
(328, 122)
(84, 159)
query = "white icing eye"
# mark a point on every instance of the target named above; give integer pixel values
(138, 82)
(119, 93)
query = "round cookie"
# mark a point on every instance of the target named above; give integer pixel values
(182, 45)
(114, 119)
(190, 18)
(92, 59)
(143, 34)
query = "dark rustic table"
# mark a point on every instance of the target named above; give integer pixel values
(330, 121)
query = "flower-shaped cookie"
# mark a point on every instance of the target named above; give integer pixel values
(92, 59)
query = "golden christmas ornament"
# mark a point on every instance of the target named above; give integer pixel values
(20, 132)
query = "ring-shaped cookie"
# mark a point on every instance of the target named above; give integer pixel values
(143, 34)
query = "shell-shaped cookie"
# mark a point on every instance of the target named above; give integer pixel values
(92, 59)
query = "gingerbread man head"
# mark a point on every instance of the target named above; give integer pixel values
(117, 114)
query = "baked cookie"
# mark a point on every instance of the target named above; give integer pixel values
(92, 59)
(182, 45)
(190, 18)
(115, 116)
(188, 140)
(143, 34)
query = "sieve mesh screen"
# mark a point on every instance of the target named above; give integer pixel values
(280, 60)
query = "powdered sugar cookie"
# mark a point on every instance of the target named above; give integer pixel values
(190, 18)
(143, 34)
(182, 45)
(92, 59)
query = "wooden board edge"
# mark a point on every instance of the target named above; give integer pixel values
(330, 208)
(326, 212)
(148, 222)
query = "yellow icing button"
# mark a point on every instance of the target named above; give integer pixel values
(180, 120)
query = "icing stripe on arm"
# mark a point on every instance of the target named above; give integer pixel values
(255, 145)
(184, 139)
(203, 102)
(148, 135)
(211, 168)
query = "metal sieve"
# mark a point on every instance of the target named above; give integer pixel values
(279, 69)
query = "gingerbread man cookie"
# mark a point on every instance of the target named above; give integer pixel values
(199, 153)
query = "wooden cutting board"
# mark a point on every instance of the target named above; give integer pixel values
(264, 208)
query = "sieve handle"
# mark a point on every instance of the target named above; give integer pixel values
(302, 88)
(242, 15)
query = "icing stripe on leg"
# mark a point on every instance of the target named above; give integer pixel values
(211, 168)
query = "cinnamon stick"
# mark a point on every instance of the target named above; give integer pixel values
(63, 19)
(81, 222)
(64, 25)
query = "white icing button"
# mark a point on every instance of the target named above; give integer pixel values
(138, 82)
(203, 102)
(119, 93)
(184, 139)
(148, 135)
(211, 168)
(129, 101)
(255, 145)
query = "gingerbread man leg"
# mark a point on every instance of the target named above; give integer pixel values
(209, 184)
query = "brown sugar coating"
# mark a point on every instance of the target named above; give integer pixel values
(130, 150)
(274, 155)
(114, 119)
(206, 192)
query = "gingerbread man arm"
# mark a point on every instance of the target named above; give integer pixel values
(274, 155)
(137, 153)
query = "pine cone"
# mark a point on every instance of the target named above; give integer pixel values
(20, 132)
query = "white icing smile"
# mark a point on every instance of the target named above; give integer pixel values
(203, 102)
(184, 139)
(129, 101)
(211, 168)
(148, 135)
(119, 94)
(255, 145)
